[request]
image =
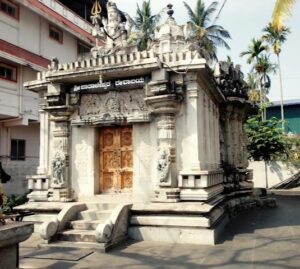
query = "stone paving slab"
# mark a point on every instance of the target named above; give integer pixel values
(256, 239)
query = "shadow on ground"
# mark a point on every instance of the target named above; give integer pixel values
(257, 239)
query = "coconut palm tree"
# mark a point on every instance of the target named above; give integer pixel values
(255, 48)
(206, 37)
(282, 9)
(263, 68)
(276, 37)
(253, 92)
(145, 24)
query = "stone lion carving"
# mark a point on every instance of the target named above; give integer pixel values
(164, 164)
(58, 165)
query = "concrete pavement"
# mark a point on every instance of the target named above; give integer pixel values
(257, 239)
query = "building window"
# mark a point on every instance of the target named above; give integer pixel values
(55, 34)
(8, 72)
(82, 48)
(9, 8)
(17, 150)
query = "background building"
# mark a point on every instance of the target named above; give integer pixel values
(291, 114)
(31, 34)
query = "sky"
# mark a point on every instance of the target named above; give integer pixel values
(245, 19)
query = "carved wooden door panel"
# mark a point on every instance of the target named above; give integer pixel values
(116, 159)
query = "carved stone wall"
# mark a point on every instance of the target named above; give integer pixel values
(113, 106)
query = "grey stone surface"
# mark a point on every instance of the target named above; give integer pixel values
(11, 235)
(257, 239)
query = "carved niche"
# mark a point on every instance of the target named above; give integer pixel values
(113, 106)
(164, 164)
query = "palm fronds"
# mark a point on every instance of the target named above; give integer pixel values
(282, 10)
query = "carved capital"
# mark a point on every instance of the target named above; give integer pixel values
(163, 104)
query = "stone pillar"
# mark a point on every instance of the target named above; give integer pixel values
(194, 143)
(165, 105)
(60, 167)
(229, 136)
(212, 136)
(44, 143)
(166, 150)
(218, 138)
(207, 132)
(39, 184)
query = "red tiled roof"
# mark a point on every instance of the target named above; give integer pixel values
(23, 54)
(48, 11)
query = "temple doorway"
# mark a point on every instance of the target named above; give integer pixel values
(116, 159)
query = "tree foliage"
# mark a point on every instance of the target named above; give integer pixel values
(205, 35)
(282, 10)
(254, 50)
(275, 37)
(266, 139)
(145, 24)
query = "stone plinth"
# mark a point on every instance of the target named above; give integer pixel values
(39, 184)
(10, 237)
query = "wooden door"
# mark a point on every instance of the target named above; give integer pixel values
(116, 159)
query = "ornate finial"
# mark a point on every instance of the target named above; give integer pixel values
(96, 9)
(170, 11)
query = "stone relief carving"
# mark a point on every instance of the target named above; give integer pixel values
(164, 164)
(113, 104)
(58, 165)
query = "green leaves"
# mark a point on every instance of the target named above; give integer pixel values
(266, 139)
(205, 35)
(145, 24)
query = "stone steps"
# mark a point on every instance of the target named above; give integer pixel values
(99, 247)
(84, 224)
(77, 236)
(39, 218)
(102, 206)
(82, 229)
(107, 199)
(94, 215)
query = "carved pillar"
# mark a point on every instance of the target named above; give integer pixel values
(165, 105)
(60, 167)
(60, 112)
(166, 150)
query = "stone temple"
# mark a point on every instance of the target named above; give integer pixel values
(141, 144)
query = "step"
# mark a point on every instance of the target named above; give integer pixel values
(99, 247)
(179, 235)
(173, 220)
(46, 207)
(40, 218)
(77, 236)
(94, 215)
(84, 224)
(101, 206)
(108, 198)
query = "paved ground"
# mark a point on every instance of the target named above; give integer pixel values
(256, 239)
